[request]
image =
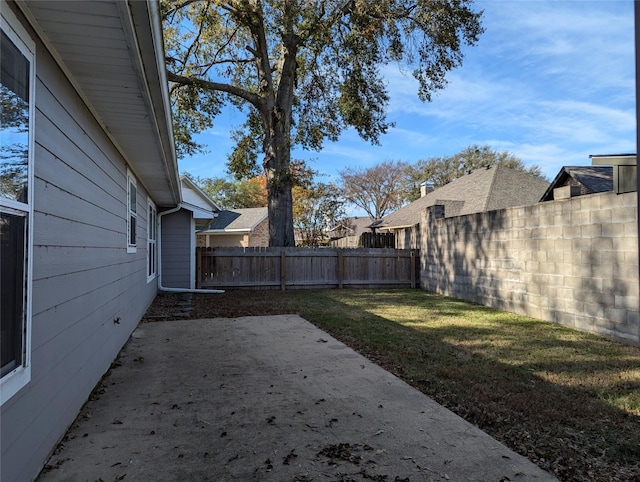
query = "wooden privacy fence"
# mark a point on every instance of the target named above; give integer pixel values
(299, 268)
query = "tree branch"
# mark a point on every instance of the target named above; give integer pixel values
(250, 97)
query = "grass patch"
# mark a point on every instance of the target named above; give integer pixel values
(567, 400)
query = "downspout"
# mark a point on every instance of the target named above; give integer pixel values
(159, 244)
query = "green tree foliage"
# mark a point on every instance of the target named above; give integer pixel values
(231, 194)
(316, 207)
(378, 190)
(442, 170)
(303, 71)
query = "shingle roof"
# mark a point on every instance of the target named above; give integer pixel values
(485, 189)
(595, 179)
(353, 226)
(237, 219)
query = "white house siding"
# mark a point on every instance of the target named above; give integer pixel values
(88, 293)
(175, 243)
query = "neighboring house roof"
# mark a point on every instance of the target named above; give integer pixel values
(353, 226)
(591, 179)
(196, 200)
(485, 189)
(236, 221)
(119, 71)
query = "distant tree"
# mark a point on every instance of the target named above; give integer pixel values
(302, 71)
(232, 194)
(315, 208)
(442, 170)
(378, 190)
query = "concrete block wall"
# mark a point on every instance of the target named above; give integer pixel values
(572, 262)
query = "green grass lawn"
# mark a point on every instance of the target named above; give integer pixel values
(569, 401)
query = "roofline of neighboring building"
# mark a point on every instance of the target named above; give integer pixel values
(194, 186)
(226, 231)
(237, 230)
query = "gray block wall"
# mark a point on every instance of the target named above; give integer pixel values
(572, 262)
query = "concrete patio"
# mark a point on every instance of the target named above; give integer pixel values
(267, 398)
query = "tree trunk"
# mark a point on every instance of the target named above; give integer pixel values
(277, 166)
(277, 162)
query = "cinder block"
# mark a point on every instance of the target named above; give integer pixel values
(581, 270)
(616, 315)
(554, 232)
(555, 256)
(611, 230)
(573, 282)
(633, 321)
(627, 271)
(631, 303)
(630, 257)
(601, 325)
(576, 216)
(624, 214)
(591, 230)
(562, 269)
(572, 231)
(601, 244)
(589, 202)
(600, 216)
(629, 199)
(581, 244)
(575, 307)
(631, 230)
(565, 319)
(595, 310)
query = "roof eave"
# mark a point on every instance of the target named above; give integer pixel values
(149, 151)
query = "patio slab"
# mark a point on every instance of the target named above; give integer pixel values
(269, 398)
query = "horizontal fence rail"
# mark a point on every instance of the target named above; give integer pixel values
(300, 268)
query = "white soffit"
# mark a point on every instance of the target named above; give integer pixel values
(112, 52)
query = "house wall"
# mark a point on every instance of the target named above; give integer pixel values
(572, 262)
(259, 237)
(224, 240)
(177, 257)
(83, 279)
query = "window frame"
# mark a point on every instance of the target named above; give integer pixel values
(152, 241)
(132, 213)
(12, 382)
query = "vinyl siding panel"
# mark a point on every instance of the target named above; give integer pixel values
(83, 278)
(176, 253)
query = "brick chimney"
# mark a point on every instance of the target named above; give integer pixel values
(426, 188)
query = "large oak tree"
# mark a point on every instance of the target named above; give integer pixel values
(303, 71)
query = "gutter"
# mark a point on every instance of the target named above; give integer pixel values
(159, 246)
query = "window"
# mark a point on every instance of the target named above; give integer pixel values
(132, 213)
(17, 68)
(152, 254)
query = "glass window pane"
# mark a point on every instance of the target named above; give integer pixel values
(132, 197)
(132, 230)
(14, 121)
(12, 290)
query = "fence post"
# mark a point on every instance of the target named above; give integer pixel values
(340, 268)
(413, 268)
(283, 269)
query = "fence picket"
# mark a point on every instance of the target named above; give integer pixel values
(299, 268)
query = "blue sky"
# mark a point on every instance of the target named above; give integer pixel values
(550, 81)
